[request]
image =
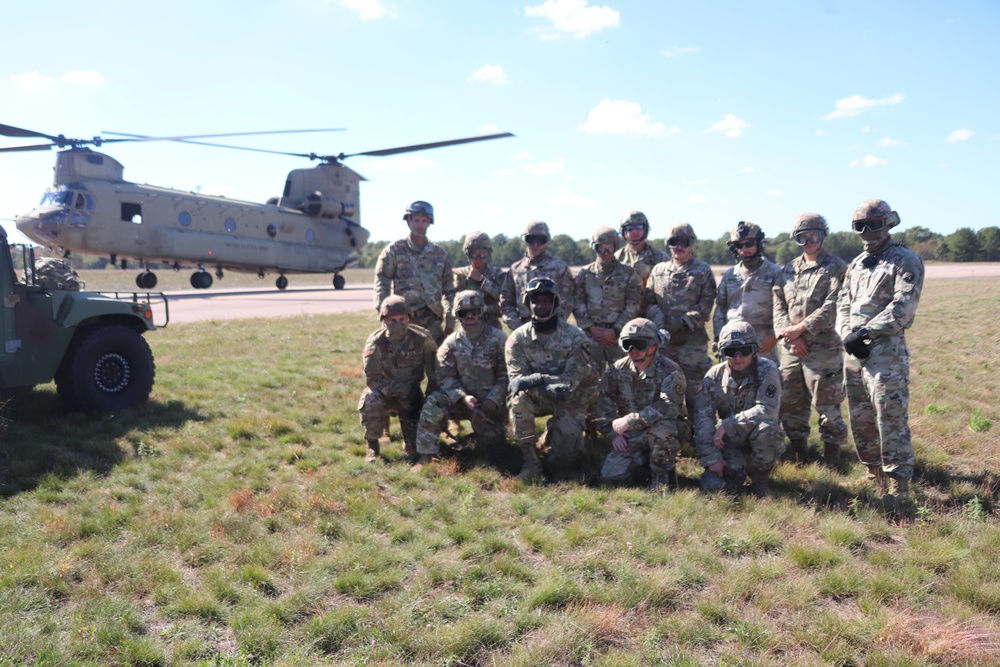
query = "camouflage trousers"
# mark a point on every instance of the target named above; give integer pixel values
(603, 356)
(375, 409)
(428, 319)
(438, 407)
(563, 432)
(813, 381)
(878, 397)
(652, 449)
(762, 448)
(694, 362)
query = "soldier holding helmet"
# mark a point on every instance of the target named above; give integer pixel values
(480, 275)
(536, 263)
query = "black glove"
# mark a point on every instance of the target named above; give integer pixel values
(491, 410)
(556, 391)
(858, 343)
(519, 384)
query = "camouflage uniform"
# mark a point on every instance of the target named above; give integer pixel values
(747, 295)
(512, 307)
(683, 289)
(606, 299)
(489, 287)
(880, 293)
(807, 292)
(642, 263)
(467, 366)
(421, 275)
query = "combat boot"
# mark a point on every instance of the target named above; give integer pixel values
(532, 468)
(798, 450)
(385, 429)
(900, 488)
(877, 476)
(425, 459)
(410, 449)
(831, 454)
(372, 453)
(662, 479)
(758, 483)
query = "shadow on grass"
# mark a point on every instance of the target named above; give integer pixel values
(42, 438)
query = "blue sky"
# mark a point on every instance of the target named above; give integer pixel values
(707, 113)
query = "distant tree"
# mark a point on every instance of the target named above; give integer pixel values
(989, 244)
(962, 245)
(845, 245)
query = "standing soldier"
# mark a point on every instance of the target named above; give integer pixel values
(480, 275)
(419, 270)
(636, 252)
(548, 361)
(878, 302)
(641, 407)
(679, 298)
(736, 415)
(607, 297)
(395, 360)
(812, 364)
(536, 263)
(746, 290)
(472, 380)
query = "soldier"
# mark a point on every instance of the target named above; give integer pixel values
(641, 408)
(548, 361)
(679, 298)
(472, 380)
(746, 290)
(395, 360)
(736, 414)
(636, 252)
(480, 275)
(536, 263)
(607, 297)
(878, 302)
(419, 270)
(812, 364)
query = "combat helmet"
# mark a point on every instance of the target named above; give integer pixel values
(746, 231)
(873, 217)
(809, 222)
(603, 236)
(737, 334)
(393, 305)
(477, 241)
(470, 299)
(681, 230)
(639, 329)
(541, 286)
(419, 207)
(536, 228)
(635, 218)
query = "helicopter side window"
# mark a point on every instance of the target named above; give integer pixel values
(81, 201)
(132, 212)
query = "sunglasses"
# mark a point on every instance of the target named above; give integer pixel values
(738, 350)
(871, 224)
(536, 239)
(466, 314)
(633, 226)
(739, 245)
(639, 344)
(678, 242)
(807, 238)
(479, 255)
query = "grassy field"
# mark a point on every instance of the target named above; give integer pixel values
(233, 521)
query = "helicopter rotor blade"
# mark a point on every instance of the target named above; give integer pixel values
(18, 149)
(143, 137)
(11, 131)
(423, 147)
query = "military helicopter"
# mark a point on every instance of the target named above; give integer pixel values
(314, 227)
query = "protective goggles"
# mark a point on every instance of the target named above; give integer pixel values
(871, 224)
(739, 245)
(604, 248)
(536, 239)
(738, 350)
(479, 254)
(678, 242)
(639, 344)
(632, 226)
(808, 237)
(466, 313)
(421, 207)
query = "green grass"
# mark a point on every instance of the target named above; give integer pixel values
(233, 521)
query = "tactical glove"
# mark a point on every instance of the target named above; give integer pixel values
(689, 322)
(525, 382)
(858, 343)
(556, 391)
(491, 410)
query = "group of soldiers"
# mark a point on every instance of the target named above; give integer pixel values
(634, 372)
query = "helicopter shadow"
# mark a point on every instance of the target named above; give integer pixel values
(41, 438)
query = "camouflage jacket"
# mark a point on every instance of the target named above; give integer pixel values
(806, 292)
(606, 299)
(643, 398)
(393, 369)
(563, 354)
(884, 297)
(544, 266)
(644, 261)
(681, 289)
(420, 275)
(489, 287)
(473, 367)
(740, 403)
(748, 296)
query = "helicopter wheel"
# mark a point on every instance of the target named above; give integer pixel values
(281, 282)
(201, 280)
(218, 273)
(339, 281)
(146, 280)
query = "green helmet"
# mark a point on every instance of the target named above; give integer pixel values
(635, 218)
(810, 221)
(873, 218)
(639, 328)
(605, 235)
(470, 299)
(537, 228)
(419, 207)
(682, 230)
(477, 241)
(541, 286)
(393, 305)
(737, 333)
(746, 231)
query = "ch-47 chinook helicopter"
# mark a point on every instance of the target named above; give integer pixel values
(314, 227)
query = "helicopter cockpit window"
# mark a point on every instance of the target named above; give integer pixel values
(56, 198)
(272, 230)
(310, 236)
(132, 212)
(184, 218)
(230, 225)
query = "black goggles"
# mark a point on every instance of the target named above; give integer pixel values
(632, 226)
(421, 207)
(805, 238)
(469, 312)
(536, 239)
(678, 242)
(639, 344)
(739, 245)
(871, 224)
(738, 350)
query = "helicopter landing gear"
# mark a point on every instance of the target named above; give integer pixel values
(218, 273)
(201, 280)
(146, 280)
(281, 282)
(260, 274)
(339, 281)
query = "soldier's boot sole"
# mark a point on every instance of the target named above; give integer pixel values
(373, 451)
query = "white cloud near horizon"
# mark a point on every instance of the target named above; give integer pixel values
(856, 105)
(730, 126)
(492, 74)
(868, 162)
(624, 117)
(887, 141)
(368, 10)
(679, 51)
(545, 168)
(573, 17)
(959, 135)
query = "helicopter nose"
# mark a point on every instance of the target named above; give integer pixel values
(44, 222)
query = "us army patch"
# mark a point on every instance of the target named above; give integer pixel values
(771, 391)
(369, 351)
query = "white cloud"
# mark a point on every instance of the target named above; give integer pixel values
(731, 126)
(399, 163)
(568, 199)
(493, 74)
(856, 104)
(368, 10)
(869, 161)
(679, 51)
(887, 141)
(697, 199)
(574, 17)
(959, 135)
(545, 168)
(523, 155)
(506, 172)
(698, 181)
(83, 77)
(623, 117)
(747, 170)
(32, 82)
(775, 192)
